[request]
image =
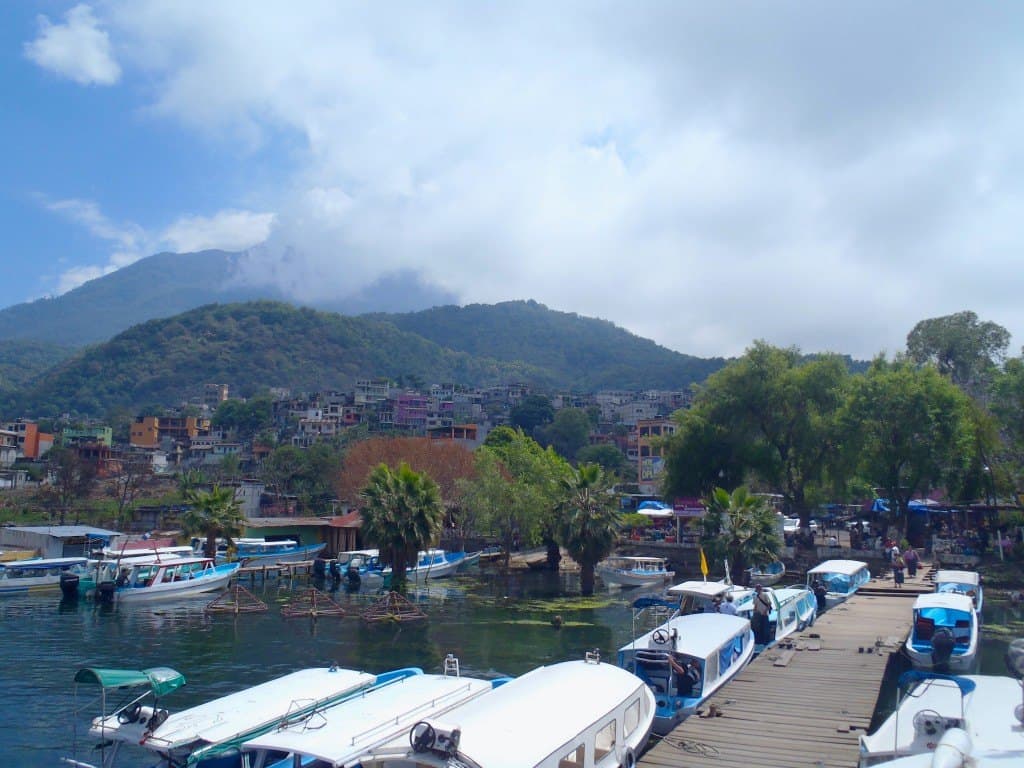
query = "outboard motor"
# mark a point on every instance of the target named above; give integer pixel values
(105, 591)
(319, 568)
(352, 579)
(69, 585)
(942, 649)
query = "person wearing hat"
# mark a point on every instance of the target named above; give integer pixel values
(728, 607)
(759, 622)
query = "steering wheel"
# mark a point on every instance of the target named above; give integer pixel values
(660, 636)
(129, 714)
(421, 737)
(928, 721)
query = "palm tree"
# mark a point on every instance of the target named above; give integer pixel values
(740, 527)
(402, 514)
(589, 520)
(211, 514)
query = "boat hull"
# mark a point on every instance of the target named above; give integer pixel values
(178, 589)
(297, 555)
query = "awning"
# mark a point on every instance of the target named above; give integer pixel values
(160, 680)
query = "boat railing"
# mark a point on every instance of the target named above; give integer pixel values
(414, 713)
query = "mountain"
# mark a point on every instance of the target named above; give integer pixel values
(23, 361)
(168, 284)
(256, 345)
(585, 353)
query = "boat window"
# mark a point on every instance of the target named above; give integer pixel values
(573, 760)
(631, 719)
(604, 743)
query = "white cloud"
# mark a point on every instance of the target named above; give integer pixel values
(78, 49)
(822, 175)
(229, 230)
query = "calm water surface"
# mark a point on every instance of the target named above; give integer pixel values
(495, 624)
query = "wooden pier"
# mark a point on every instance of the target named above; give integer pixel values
(278, 570)
(797, 707)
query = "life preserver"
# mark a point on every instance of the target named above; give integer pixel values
(629, 758)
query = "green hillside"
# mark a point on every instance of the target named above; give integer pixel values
(249, 347)
(584, 353)
(23, 361)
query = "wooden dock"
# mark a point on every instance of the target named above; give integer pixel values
(289, 570)
(797, 708)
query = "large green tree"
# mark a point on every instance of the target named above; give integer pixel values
(961, 347)
(212, 514)
(568, 432)
(402, 514)
(741, 528)
(906, 428)
(770, 416)
(590, 520)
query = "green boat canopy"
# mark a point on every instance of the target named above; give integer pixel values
(160, 680)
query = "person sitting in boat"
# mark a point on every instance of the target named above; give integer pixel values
(122, 578)
(687, 676)
(728, 607)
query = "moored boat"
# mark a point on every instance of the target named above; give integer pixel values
(576, 713)
(944, 633)
(842, 578)
(40, 574)
(251, 551)
(964, 582)
(628, 571)
(211, 734)
(141, 579)
(768, 574)
(687, 659)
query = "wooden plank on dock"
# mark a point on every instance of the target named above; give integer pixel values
(804, 714)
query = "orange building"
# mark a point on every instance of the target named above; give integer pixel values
(148, 431)
(31, 442)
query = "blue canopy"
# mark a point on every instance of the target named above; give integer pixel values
(653, 505)
(917, 675)
(915, 505)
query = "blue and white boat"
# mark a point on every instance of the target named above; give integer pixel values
(250, 551)
(626, 571)
(962, 582)
(39, 574)
(944, 633)
(142, 579)
(842, 578)
(209, 735)
(769, 574)
(339, 734)
(687, 659)
(575, 714)
(944, 720)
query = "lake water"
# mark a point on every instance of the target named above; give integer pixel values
(495, 624)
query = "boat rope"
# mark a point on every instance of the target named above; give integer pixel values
(691, 747)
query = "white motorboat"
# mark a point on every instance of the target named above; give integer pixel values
(338, 735)
(576, 713)
(965, 582)
(210, 734)
(769, 574)
(944, 633)
(252, 551)
(39, 574)
(687, 659)
(627, 571)
(841, 578)
(142, 579)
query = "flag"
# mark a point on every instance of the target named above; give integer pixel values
(703, 564)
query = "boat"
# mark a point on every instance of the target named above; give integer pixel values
(841, 578)
(434, 564)
(141, 579)
(360, 568)
(686, 659)
(210, 734)
(626, 571)
(767, 575)
(339, 734)
(965, 582)
(471, 559)
(944, 633)
(40, 574)
(249, 551)
(575, 713)
(973, 713)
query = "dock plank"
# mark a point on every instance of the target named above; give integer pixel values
(798, 708)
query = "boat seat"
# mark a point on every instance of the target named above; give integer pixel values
(924, 628)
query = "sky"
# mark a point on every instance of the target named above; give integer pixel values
(818, 174)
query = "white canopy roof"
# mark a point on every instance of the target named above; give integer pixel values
(958, 577)
(845, 567)
(953, 601)
(702, 588)
(697, 634)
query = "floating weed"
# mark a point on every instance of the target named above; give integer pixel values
(560, 604)
(541, 623)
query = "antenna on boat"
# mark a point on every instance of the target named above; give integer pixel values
(728, 576)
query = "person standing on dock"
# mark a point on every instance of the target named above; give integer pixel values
(910, 559)
(762, 607)
(897, 572)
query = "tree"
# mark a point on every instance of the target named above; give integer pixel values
(772, 415)
(612, 460)
(532, 412)
(567, 433)
(133, 471)
(402, 514)
(590, 521)
(71, 477)
(740, 528)
(212, 514)
(906, 428)
(961, 347)
(245, 418)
